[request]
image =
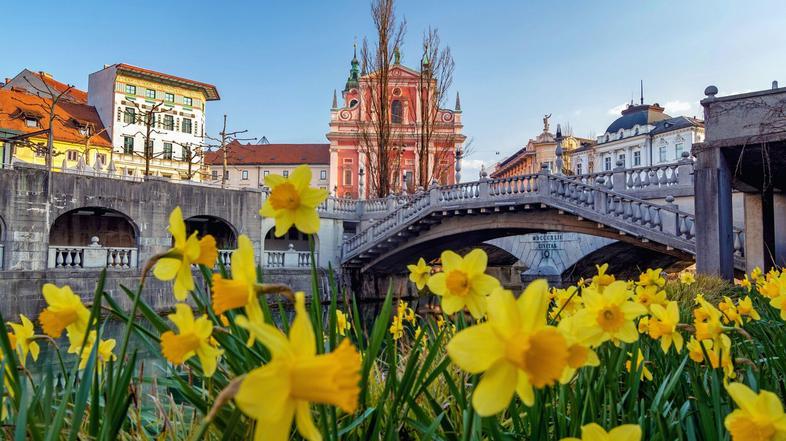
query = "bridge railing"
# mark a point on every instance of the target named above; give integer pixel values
(78, 257)
(642, 178)
(288, 259)
(640, 217)
(1, 255)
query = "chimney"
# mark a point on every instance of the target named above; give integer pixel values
(775, 84)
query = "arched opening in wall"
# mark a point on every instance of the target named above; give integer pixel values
(93, 237)
(222, 231)
(290, 250)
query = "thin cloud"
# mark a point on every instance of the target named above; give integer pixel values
(678, 107)
(616, 110)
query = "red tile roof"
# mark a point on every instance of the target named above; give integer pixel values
(79, 96)
(282, 154)
(71, 116)
(210, 90)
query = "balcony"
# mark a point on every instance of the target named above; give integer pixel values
(290, 258)
(92, 256)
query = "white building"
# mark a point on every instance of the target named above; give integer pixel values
(248, 164)
(125, 95)
(642, 136)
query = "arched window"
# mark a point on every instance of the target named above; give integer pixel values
(396, 112)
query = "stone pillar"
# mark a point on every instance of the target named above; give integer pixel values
(759, 231)
(685, 170)
(618, 179)
(714, 239)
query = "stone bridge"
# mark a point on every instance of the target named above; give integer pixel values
(600, 204)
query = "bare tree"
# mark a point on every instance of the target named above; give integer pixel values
(88, 134)
(377, 132)
(146, 116)
(49, 101)
(193, 154)
(225, 138)
(436, 76)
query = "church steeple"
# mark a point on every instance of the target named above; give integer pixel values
(458, 102)
(354, 71)
(335, 100)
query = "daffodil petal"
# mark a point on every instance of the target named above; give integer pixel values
(305, 424)
(475, 262)
(495, 389)
(311, 197)
(436, 284)
(273, 180)
(503, 313)
(165, 269)
(626, 432)
(307, 220)
(301, 177)
(301, 334)
(476, 348)
(533, 304)
(264, 392)
(450, 260)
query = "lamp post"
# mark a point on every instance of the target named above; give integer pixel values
(361, 173)
(459, 155)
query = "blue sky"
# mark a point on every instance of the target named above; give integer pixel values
(276, 63)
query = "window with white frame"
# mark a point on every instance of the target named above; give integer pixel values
(188, 101)
(150, 93)
(636, 158)
(265, 173)
(285, 173)
(215, 175)
(131, 90)
(662, 153)
(607, 163)
(168, 150)
(323, 174)
(72, 155)
(244, 175)
(578, 168)
(678, 148)
(621, 158)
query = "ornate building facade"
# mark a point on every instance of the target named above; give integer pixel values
(539, 151)
(352, 132)
(643, 136)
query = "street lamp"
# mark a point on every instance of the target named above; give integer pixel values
(361, 173)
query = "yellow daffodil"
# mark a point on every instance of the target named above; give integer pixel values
(687, 278)
(193, 338)
(342, 323)
(730, 313)
(744, 283)
(651, 277)
(609, 315)
(650, 295)
(758, 417)
(293, 202)
(103, 354)
(23, 334)
(396, 328)
(602, 280)
(463, 282)
(241, 290)
(593, 432)
(757, 274)
(719, 353)
(774, 286)
(645, 373)
(745, 308)
(644, 325)
(515, 348)
(707, 321)
(419, 274)
(663, 326)
(580, 354)
(187, 251)
(64, 311)
(694, 349)
(566, 303)
(779, 303)
(281, 390)
(405, 313)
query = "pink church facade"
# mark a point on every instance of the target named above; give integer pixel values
(349, 157)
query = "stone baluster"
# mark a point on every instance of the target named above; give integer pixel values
(669, 219)
(599, 198)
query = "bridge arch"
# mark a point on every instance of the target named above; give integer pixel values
(79, 226)
(221, 229)
(625, 261)
(458, 231)
(93, 237)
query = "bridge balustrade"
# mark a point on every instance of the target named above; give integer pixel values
(288, 259)
(73, 257)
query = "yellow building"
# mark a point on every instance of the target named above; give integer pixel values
(79, 136)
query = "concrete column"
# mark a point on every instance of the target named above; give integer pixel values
(714, 240)
(759, 231)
